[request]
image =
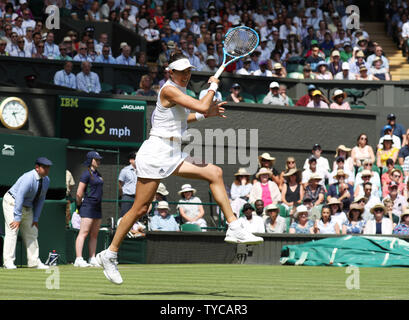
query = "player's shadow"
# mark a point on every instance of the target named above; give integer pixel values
(168, 293)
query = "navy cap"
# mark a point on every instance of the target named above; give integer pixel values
(311, 87)
(94, 155)
(339, 158)
(43, 161)
(132, 155)
(235, 85)
(391, 116)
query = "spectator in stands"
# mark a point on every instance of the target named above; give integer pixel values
(17, 28)
(293, 46)
(12, 42)
(327, 44)
(343, 160)
(386, 177)
(307, 73)
(403, 227)
(302, 224)
(127, 180)
(160, 195)
(283, 93)
(314, 190)
(103, 40)
(210, 65)
(163, 221)
(326, 225)
(290, 163)
(125, 57)
(335, 65)
(370, 200)
(403, 156)
(19, 50)
(274, 223)
(245, 70)
(318, 100)
(279, 71)
(263, 71)
(241, 186)
(177, 24)
(387, 131)
(315, 163)
(91, 53)
(363, 74)
(366, 176)
(273, 97)
(267, 161)
(50, 48)
(322, 71)
(339, 103)
(362, 151)
(93, 14)
(341, 189)
(69, 47)
(87, 80)
(337, 214)
(265, 189)
(27, 20)
(398, 129)
(63, 53)
(292, 191)
(145, 87)
(314, 58)
(65, 77)
(388, 151)
(252, 222)
(399, 202)
(124, 21)
(356, 63)
(355, 223)
(137, 230)
(152, 36)
(379, 224)
(379, 54)
(78, 11)
(345, 74)
(105, 57)
(3, 51)
(82, 54)
(106, 8)
(235, 94)
(168, 35)
(191, 213)
(307, 40)
(39, 48)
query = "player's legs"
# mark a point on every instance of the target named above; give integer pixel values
(214, 175)
(145, 191)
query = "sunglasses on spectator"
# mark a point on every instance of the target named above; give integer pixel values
(42, 46)
(290, 162)
(364, 138)
(21, 41)
(396, 176)
(367, 190)
(368, 164)
(378, 210)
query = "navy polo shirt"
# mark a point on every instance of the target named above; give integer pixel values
(94, 182)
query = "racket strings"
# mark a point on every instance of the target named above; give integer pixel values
(239, 42)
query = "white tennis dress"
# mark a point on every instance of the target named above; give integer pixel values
(161, 154)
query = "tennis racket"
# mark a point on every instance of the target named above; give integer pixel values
(238, 43)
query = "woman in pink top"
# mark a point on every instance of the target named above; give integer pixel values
(265, 189)
(362, 151)
(339, 103)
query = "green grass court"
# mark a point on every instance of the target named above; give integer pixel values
(206, 282)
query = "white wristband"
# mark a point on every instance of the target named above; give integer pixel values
(199, 116)
(213, 86)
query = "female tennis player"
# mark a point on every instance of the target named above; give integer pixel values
(160, 156)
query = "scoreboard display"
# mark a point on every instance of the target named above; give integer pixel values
(101, 122)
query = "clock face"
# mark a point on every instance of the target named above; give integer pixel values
(13, 113)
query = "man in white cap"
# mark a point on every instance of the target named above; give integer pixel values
(344, 74)
(253, 223)
(125, 57)
(273, 96)
(164, 221)
(210, 65)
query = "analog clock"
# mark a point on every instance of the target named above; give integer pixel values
(13, 113)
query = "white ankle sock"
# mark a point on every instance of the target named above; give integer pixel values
(235, 224)
(112, 254)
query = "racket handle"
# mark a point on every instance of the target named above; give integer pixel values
(219, 72)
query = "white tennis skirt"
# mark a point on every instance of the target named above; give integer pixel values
(158, 157)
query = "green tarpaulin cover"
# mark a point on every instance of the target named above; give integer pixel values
(360, 251)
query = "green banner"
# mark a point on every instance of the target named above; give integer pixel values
(101, 122)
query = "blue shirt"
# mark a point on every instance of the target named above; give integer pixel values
(94, 182)
(51, 50)
(129, 178)
(80, 57)
(88, 83)
(24, 192)
(164, 224)
(398, 130)
(102, 59)
(61, 78)
(128, 61)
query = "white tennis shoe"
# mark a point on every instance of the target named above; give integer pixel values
(93, 262)
(241, 235)
(81, 263)
(110, 267)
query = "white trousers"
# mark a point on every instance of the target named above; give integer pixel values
(29, 233)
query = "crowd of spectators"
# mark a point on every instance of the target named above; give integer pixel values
(301, 39)
(361, 192)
